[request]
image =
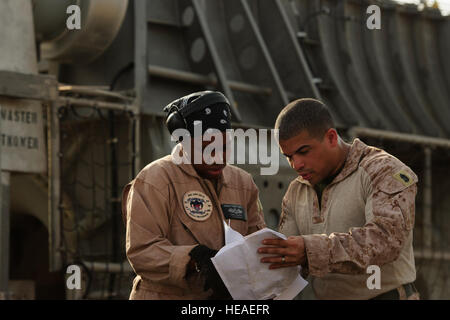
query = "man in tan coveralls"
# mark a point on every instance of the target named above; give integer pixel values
(352, 206)
(175, 212)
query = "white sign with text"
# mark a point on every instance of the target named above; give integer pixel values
(22, 136)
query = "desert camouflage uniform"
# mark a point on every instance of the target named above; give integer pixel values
(162, 225)
(366, 218)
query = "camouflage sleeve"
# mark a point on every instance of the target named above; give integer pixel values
(389, 211)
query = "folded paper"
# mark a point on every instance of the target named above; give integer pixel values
(245, 277)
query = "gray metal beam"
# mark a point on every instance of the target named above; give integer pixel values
(97, 104)
(403, 137)
(244, 84)
(286, 50)
(218, 66)
(107, 267)
(246, 58)
(444, 49)
(195, 78)
(27, 86)
(140, 50)
(54, 188)
(265, 51)
(431, 254)
(303, 17)
(4, 233)
(94, 92)
(137, 145)
(427, 219)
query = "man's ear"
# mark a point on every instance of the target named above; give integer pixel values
(331, 137)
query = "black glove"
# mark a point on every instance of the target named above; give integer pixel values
(202, 256)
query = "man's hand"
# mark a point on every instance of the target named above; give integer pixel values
(202, 256)
(287, 253)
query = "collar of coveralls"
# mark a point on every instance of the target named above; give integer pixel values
(190, 170)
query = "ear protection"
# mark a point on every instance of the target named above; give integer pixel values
(179, 109)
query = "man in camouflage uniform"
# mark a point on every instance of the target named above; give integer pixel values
(352, 206)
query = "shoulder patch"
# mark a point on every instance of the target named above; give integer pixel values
(197, 205)
(404, 177)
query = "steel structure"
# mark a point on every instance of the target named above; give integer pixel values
(390, 87)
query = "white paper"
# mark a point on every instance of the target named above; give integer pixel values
(231, 235)
(245, 277)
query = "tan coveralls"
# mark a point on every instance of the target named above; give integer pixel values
(169, 210)
(366, 218)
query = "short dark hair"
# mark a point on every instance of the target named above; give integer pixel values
(304, 114)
